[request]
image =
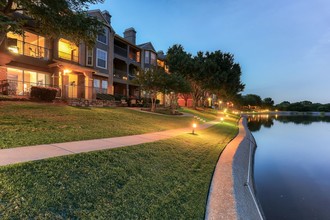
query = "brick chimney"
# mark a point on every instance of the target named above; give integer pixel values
(130, 35)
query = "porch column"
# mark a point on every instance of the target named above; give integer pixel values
(88, 86)
(127, 85)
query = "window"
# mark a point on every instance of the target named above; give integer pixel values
(102, 37)
(89, 56)
(104, 86)
(153, 59)
(146, 56)
(29, 45)
(68, 50)
(101, 58)
(97, 83)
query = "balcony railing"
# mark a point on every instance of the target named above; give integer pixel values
(27, 49)
(119, 74)
(68, 56)
(120, 51)
(70, 91)
(20, 88)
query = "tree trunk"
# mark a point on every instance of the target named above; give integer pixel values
(153, 103)
(2, 37)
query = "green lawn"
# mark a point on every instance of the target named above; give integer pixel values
(27, 123)
(207, 114)
(162, 180)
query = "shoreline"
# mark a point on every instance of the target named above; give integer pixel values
(231, 193)
(287, 113)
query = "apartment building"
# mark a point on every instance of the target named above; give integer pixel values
(78, 71)
(126, 64)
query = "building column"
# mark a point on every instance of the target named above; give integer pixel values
(127, 75)
(88, 86)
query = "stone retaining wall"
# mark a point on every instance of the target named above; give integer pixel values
(231, 194)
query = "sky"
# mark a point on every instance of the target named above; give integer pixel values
(283, 46)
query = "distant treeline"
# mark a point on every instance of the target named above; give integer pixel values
(304, 106)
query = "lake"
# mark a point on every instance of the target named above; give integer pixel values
(292, 166)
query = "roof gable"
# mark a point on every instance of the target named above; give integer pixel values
(147, 46)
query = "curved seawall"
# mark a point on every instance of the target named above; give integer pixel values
(231, 194)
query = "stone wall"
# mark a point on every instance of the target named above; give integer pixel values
(231, 194)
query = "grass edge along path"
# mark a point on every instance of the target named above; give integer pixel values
(167, 179)
(28, 123)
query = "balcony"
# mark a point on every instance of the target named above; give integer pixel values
(68, 56)
(27, 49)
(134, 57)
(120, 51)
(119, 74)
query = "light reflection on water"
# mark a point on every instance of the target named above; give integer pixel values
(292, 166)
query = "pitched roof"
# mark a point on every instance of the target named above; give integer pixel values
(147, 46)
(98, 11)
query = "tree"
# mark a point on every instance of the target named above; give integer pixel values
(174, 84)
(153, 82)
(268, 102)
(251, 100)
(52, 18)
(222, 76)
(182, 63)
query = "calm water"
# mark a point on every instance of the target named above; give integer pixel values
(292, 166)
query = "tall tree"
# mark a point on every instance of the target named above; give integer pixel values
(174, 84)
(223, 75)
(268, 102)
(152, 81)
(251, 100)
(52, 18)
(182, 63)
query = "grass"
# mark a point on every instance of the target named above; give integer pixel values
(27, 123)
(207, 114)
(168, 179)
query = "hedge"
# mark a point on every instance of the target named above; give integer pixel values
(43, 93)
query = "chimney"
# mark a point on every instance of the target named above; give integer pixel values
(107, 16)
(130, 35)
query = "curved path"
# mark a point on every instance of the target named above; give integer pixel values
(39, 152)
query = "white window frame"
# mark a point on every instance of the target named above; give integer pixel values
(106, 37)
(88, 55)
(97, 58)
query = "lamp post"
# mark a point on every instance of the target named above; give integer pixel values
(193, 128)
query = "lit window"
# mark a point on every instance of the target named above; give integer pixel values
(101, 57)
(102, 37)
(89, 57)
(146, 58)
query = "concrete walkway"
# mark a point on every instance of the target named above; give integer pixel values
(39, 152)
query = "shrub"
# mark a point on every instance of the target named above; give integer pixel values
(47, 94)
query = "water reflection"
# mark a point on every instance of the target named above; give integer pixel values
(291, 166)
(256, 122)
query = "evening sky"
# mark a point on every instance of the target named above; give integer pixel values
(283, 46)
